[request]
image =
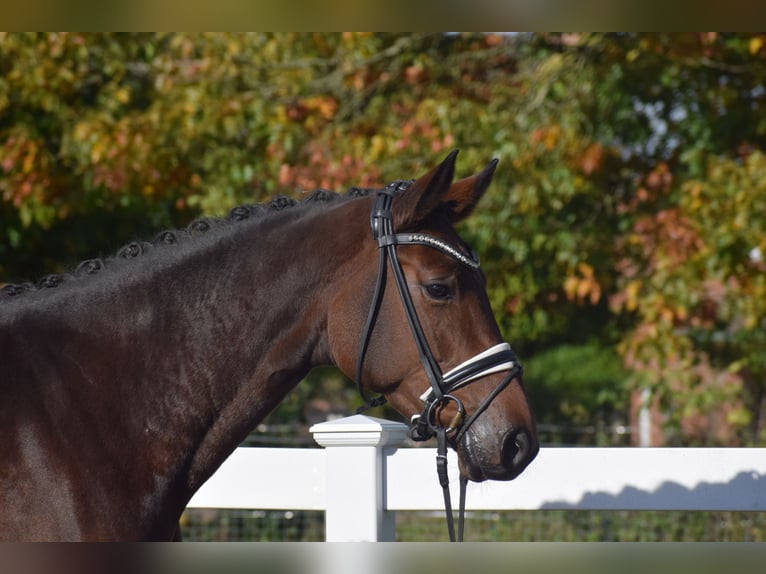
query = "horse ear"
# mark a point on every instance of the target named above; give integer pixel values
(424, 195)
(435, 190)
(463, 195)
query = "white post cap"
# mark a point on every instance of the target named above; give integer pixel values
(359, 430)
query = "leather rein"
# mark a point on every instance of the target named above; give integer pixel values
(496, 359)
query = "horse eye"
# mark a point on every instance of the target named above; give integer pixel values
(439, 291)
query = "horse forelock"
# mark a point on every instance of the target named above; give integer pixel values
(199, 227)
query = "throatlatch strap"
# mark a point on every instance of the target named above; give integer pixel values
(381, 213)
(371, 317)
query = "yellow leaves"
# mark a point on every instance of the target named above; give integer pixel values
(631, 292)
(28, 165)
(552, 65)
(313, 112)
(583, 285)
(739, 417)
(23, 155)
(750, 322)
(97, 151)
(81, 130)
(377, 146)
(325, 106)
(547, 136)
(694, 198)
(755, 45)
(122, 95)
(666, 315)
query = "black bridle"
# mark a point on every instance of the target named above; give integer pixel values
(438, 396)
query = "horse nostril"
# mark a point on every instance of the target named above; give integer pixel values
(520, 448)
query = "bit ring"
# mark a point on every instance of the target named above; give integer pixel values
(455, 421)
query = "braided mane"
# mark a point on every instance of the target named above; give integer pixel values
(198, 227)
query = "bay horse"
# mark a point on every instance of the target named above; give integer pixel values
(126, 383)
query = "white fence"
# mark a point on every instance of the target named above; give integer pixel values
(360, 479)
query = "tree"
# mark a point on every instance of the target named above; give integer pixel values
(624, 223)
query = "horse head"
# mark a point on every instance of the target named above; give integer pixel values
(420, 332)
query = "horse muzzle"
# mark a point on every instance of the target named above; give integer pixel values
(481, 457)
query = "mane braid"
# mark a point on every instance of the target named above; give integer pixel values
(197, 227)
(321, 194)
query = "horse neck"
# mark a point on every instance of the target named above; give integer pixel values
(248, 328)
(172, 359)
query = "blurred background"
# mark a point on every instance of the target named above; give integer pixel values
(623, 237)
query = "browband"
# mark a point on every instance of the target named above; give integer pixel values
(430, 241)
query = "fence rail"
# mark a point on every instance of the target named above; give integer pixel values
(361, 478)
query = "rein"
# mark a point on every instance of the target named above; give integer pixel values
(493, 360)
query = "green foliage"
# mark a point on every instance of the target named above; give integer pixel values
(577, 388)
(231, 525)
(589, 526)
(627, 211)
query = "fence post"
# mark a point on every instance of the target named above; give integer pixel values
(355, 475)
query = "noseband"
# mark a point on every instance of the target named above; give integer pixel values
(439, 394)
